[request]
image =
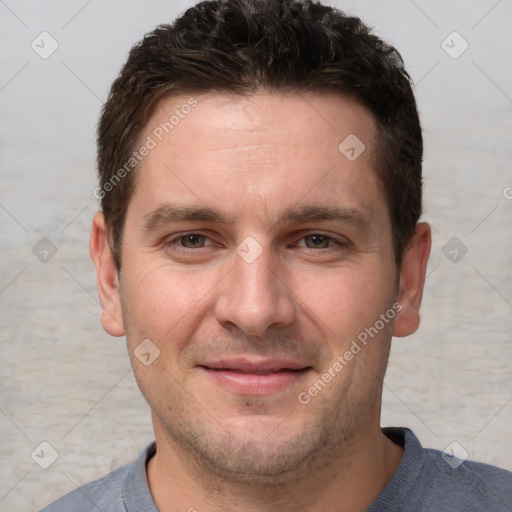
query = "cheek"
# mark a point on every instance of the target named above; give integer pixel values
(160, 301)
(343, 302)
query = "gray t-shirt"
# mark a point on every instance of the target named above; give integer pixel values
(426, 480)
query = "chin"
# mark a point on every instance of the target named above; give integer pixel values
(259, 450)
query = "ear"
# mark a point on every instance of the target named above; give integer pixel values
(106, 276)
(412, 281)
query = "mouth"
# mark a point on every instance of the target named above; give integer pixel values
(255, 377)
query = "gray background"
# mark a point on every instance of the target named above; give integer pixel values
(65, 382)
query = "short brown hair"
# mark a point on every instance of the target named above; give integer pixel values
(240, 46)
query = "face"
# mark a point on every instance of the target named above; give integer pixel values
(256, 255)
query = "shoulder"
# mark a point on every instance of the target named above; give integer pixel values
(114, 492)
(446, 482)
(474, 485)
(104, 494)
(431, 480)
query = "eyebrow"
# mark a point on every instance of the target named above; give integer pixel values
(318, 213)
(173, 213)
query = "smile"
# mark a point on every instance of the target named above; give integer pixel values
(256, 378)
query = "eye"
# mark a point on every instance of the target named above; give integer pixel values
(192, 240)
(192, 247)
(187, 242)
(319, 241)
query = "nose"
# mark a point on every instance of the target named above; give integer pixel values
(254, 295)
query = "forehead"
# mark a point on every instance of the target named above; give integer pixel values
(255, 153)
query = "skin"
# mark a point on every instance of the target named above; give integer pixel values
(305, 298)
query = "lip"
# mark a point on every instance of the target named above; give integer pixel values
(255, 377)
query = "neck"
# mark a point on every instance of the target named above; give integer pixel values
(349, 481)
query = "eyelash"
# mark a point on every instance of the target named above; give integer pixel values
(337, 244)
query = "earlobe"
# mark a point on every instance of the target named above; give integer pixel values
(107, 277)
(412, 281)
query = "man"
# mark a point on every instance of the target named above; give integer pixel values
(259, 245)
